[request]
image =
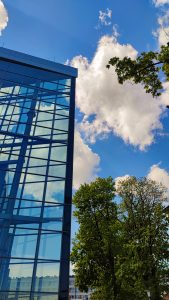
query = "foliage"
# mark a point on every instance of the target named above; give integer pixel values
(97, 241)
(121, 250)
(145, 228)
(146, 69)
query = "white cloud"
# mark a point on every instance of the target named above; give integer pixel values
(108, 107)
(162, 33)
(86, 162)
(3, 17)
(165, 95)
(115, 31)
(160, 2)
(159, 175)
(105, 17)
(119, 179)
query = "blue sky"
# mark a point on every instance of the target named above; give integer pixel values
(119, 130)
(63, 29)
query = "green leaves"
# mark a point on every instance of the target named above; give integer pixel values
(146, 69)
(121, 250)
(96, 242)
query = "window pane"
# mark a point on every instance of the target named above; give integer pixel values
(33, 190)
(24, 243)
(55, 191)
(47, 277)
(51, 211)
(57, 170)
(50, 246)
(20, 273)
(62, 124)
(59, 153)
(52, 225)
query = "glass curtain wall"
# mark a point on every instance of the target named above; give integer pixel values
(35, 126)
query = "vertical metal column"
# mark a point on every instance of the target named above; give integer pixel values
(65, 247)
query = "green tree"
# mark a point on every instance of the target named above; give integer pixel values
(121, 250)
(145, 229)
(146, 69)
(97, 243)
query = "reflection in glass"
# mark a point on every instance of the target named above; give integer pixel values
(50, 246)
(57, 171)
(46, 297)
(53, 225)
(20, 274)
(62, 124)
(24, 243)
(55, 191)
(47, 277)
(34, 123)
(53, 211)
(15, 295)
(59, 153)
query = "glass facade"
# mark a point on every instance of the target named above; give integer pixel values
(36, 154)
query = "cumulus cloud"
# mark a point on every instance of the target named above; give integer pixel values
(105, 17)
(160, 2)
(108, 107)
(159, 175)
(162, 33)
(165, 95)
(86, 162)
(119, 179)
(3, 17)
(115, 31)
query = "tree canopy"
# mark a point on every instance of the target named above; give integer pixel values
(121, 248)
(146, 69)
(145, 228)
(97, 241)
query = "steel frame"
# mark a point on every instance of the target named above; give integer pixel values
(19, 122)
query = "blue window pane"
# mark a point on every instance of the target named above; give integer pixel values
(17, 272)
(34, 160)
(59, 153)
(47, 277)
(24, 243)
(57, 170)
(50, 246)
(53, 225)
(53, 211)
(55, 191)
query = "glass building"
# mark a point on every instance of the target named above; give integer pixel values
(36, 155)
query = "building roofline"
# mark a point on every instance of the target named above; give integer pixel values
(40, 63)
